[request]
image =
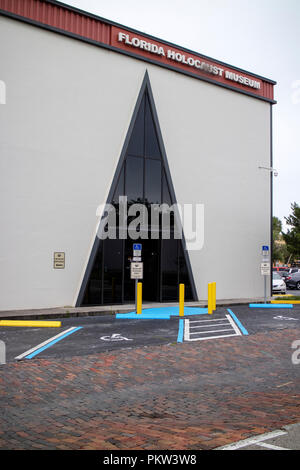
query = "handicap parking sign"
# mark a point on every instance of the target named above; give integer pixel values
(137, 249)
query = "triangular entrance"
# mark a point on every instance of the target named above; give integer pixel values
(143, 176)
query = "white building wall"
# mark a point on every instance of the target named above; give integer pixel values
(62, 129)
(215, 141)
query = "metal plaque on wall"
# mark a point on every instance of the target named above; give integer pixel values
(59, 260)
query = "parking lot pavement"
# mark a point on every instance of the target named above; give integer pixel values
(190, 395)
(293, 292)
(287, 438)
(266, 320)
(90, 335)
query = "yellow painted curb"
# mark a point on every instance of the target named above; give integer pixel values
(30, 323)
(287, 301)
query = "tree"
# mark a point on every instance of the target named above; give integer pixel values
(277, 227)
(292, 237)
(279, 249)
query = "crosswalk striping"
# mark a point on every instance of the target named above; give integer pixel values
(199, 330)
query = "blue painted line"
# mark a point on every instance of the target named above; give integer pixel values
(270, 305)
(38, 351)
(180, 331)
(237, 321)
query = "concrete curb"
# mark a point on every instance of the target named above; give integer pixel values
(69, 312)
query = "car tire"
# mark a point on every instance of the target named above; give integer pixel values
(298, 285)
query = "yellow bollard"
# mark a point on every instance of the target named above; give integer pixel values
(210, 298)
(181, 300)
(214, 295)
(139, 298)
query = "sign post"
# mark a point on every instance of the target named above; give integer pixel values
(136, 271)
(265, 268)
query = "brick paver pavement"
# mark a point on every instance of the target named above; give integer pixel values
(185, 396)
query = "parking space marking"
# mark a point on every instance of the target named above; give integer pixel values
(258, 440)
(271, 446)
(115, 337)
(280, 317)
(209, 327)
(237, 322)
(180, 331)
(47, 344)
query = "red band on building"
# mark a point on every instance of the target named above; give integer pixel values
(77, 23)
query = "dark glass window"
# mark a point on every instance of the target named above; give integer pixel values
(93, 292)
(136, 143)
(151, 141)
(119, 191)
(169, 270)
(112, 271)
(166, 197)
(151, 281)
(134, 180)
(152, 181)
(169, 219)
(142, 179)
(129, 284)
(183, 275)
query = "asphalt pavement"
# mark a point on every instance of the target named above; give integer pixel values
(200, 382)
(98, 334)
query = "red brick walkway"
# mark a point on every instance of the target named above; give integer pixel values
(186, 396)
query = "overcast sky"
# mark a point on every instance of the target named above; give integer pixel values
(261, 36)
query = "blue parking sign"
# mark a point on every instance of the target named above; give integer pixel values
(137, 247)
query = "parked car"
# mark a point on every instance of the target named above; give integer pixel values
(284, 274)
(278, 284)
(294, 270)
(293, 281)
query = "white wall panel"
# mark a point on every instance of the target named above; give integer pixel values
(67, 112)
(215, 141)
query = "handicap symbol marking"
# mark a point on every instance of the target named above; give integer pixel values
(280, 317)
(115, 337)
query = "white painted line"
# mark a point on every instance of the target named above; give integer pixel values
(18, 358)
(233, 325)
(186, 330)
(188, 326)
(206, 326)
(215, 319)
(211, 337)
(271, 446)
(252, 440)
(210, 331)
